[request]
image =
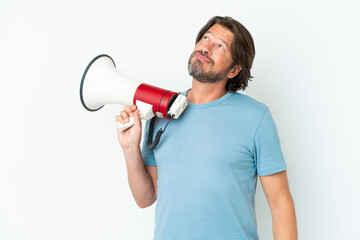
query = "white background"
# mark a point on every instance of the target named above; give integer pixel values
(62, 172)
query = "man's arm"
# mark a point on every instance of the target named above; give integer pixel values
(142, 179)
(276, 189)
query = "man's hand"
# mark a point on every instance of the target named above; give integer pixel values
(130, 137)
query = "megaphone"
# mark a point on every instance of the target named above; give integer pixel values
(103, 84)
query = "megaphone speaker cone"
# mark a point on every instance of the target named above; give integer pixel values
(86, 82)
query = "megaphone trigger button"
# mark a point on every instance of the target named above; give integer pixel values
(159, 115)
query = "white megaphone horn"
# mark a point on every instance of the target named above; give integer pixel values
(102, 84)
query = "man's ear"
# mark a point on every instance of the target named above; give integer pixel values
(234, 71)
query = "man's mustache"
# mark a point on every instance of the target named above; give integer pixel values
(204, 55)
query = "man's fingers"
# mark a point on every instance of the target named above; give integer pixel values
(118, 118)
(129, 111)
(125, 116)
(133, 107)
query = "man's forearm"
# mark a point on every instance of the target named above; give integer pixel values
(284, 221)
(140, 181)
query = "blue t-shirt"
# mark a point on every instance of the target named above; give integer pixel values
(208, 161)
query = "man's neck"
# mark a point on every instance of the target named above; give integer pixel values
(205, 92)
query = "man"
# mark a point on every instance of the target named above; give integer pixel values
(203, 173)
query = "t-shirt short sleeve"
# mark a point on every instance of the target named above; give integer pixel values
(268, 155)
(147, 155)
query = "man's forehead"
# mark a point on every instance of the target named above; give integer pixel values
(224, 34)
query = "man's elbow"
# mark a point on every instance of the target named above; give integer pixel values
(145, 204)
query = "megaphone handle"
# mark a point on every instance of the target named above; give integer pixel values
(125, 126)
(145, 113)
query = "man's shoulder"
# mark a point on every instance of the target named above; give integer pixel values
(246, 102)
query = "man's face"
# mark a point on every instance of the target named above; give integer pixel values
(211, 59)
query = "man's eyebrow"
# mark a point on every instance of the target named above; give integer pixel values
(223, 41)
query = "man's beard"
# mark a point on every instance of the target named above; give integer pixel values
(196, 71)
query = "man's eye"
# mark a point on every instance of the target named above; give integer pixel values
(206, 38)
(221, 47)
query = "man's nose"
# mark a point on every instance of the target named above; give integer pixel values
(207, 48)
